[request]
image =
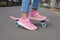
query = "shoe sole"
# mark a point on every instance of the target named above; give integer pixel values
(33, 18)
(23, 25)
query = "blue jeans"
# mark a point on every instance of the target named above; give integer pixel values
(26, 3)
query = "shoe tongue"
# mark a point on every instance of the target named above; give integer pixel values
(32, 13)
(27, 19)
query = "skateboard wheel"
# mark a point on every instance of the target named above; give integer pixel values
(17, 25)
(43, 24)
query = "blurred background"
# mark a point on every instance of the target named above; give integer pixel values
(43, 3)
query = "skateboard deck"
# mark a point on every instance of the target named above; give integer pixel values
(43, 23)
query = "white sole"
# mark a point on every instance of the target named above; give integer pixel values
(38, 19)
(33, 18)
(20, 23)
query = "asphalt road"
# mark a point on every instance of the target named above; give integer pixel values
(8, 30)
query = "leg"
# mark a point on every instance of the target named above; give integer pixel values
(34, 14)
(24, 21)
(25, 8)
(35, 4)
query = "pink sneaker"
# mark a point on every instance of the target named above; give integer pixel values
(34, 15)
(25, 22)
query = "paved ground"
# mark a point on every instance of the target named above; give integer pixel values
(8, 30)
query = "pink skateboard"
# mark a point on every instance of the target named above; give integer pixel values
(43, 23)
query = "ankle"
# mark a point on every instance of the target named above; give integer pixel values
(34, 9)
(24, 15)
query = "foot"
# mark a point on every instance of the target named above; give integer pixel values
(34, 15)
(25, 22)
